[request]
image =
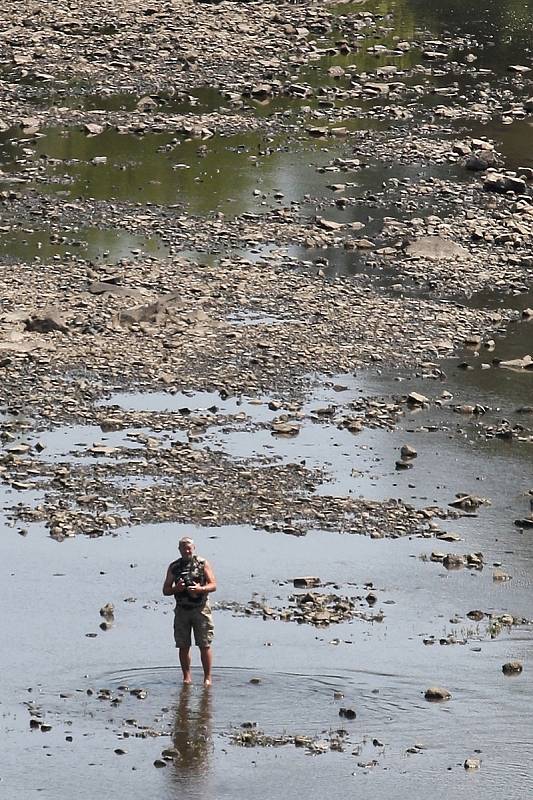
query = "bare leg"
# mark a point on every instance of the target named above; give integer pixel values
(185, 661)
(207, 661)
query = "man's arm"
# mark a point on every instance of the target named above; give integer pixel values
(169, 587)
(211, 583)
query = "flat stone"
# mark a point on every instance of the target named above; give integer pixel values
(526, 362)
(329, 224)
(416, 399)
(93, 128)
(435, 248)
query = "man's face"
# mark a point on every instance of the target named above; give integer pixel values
(186, 550)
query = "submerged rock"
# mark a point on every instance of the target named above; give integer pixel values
(500, 577)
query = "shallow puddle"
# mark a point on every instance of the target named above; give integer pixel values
(93, 244)
(204, 100)
(503, 29)
(514, 140)
(235, 174)
(82, 444)
(186, 403)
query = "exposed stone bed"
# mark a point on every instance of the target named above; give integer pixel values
(171, 324)
(493, 230)
(311, 608)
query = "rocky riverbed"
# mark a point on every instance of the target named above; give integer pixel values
(266, 277)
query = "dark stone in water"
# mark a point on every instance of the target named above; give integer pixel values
(527, 522)
(512, 668)
(403, 465)
(348, 713)
(305, 581)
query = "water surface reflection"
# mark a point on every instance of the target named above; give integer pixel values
(192, 739)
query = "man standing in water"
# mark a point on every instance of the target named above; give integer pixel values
(191, 579)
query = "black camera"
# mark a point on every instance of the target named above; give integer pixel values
(187, 579)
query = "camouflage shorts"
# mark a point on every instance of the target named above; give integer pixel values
(198, 620)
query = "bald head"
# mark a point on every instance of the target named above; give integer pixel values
(186, 547)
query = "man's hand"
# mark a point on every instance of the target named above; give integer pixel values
(195, 590)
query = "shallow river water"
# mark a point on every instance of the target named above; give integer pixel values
(281, 678)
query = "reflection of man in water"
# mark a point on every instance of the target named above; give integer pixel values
(192, 734)
(191, 579)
